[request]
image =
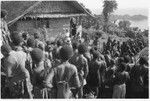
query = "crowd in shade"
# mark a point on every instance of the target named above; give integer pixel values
(69, 68)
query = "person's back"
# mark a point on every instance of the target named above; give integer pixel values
(80, 62)
(66, 73)
(18, 58)
(94, 73)
(17, 73)
(119, 89)
(121, 77)
(64, 76)
(138, 75)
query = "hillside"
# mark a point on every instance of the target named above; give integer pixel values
(128, 17)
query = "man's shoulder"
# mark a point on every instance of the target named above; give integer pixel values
(21, 53)
(68, 65)
(11, 58)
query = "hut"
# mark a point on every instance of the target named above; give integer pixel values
(50, 16)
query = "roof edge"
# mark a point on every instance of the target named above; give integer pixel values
(25, 12)
(85, 9)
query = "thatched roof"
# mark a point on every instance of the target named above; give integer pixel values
(16, 8)
(42, 9)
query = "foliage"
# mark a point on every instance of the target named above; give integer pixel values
(88, 22)
(130, 33)
(109, 7)
(146, 32)
(124, 24)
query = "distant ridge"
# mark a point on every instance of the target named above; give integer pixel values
(129, 11)
(127, 17)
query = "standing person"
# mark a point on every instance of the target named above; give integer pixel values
(139, 73)
(82, 66)
(64, 76)
(73, 27)
(109, 76)
(55, 52)
(121, 76)
(87, 55)
(38, 43)
(17, 41)
(94, 79)
(49, 49)
(18, 78)
(39, 74)
(67, 41)
(75, 47)
(30, 46)
(25, 37)
(4, 28)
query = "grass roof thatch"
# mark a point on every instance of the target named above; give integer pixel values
(16, 8)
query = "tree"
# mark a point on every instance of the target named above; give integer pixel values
(146, 32)
(124, 24)
(130, 33)
(108, 8)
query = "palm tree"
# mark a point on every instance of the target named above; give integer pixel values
(108, 8)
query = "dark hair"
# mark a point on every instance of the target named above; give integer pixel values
(107, 52)
(112, 62)
(37, 54)
(41, 46)
(122, 67)
(5, 48)
(75, 45)
(24, 35)
(82, 49)
(59, 43)
(66, 52)
(31, 42)
(36, 35)
(116, 54)
(17, 39)
(120, 60)
(48, 42)
(126, 59)
(96, 54)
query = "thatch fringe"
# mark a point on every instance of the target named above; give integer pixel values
(53, 15)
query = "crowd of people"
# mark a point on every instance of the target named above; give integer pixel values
(69, 68)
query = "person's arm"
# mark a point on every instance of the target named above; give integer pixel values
(75, 84)
(86, 69)
(48, 82)
(24, 74)
(75, 78)
(9, 63)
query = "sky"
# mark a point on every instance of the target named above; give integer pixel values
(122, 5)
